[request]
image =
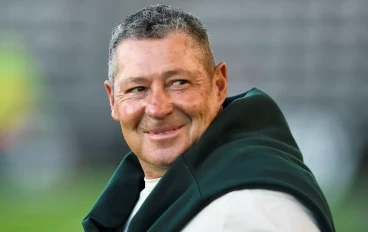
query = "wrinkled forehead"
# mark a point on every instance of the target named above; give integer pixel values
(145, 56)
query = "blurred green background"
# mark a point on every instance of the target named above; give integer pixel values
(59, 145)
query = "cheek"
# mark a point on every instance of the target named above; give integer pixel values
(130, 114)
(189, 104)
(195, 105)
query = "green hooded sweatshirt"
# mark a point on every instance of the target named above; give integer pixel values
(248, 146)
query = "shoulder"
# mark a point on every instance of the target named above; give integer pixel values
(267, 210)
(255, 209)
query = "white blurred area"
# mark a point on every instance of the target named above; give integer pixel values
(324, 143)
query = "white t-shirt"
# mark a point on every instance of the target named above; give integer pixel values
(149, 185)
(245, 210)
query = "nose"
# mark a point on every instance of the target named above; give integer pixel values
(159, 105)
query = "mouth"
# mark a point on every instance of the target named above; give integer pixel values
(164, 132)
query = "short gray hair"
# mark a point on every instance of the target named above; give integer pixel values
(155, 22)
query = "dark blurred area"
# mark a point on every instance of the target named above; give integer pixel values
(59, 145)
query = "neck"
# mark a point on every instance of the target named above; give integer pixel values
(151, 172)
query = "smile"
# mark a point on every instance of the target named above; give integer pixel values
(164, 132)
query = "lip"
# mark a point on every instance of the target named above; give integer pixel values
(163, 132)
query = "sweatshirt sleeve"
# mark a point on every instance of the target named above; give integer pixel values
(265, 210)
(254, 210)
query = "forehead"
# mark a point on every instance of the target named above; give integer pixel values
(145, 56)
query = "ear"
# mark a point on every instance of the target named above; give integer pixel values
(110, 94)
(220, 78)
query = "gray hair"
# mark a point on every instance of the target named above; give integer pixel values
(155, 22)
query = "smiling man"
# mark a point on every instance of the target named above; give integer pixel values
(199, 160)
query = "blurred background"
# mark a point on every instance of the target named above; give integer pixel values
(59, 145)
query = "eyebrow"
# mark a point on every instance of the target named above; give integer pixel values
(133, 80)
(141, 79)
(174, 72)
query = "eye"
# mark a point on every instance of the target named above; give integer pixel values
(137, 89)
(180, 82)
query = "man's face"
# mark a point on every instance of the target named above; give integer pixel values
(163, 97)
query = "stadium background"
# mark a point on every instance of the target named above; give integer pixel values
(59, 145)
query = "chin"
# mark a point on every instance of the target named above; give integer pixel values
(165, 158)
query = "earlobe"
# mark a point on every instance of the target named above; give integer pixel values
(110, 95)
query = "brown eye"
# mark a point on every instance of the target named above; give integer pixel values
(138, 89)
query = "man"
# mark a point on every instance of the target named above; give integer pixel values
(199, 161)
